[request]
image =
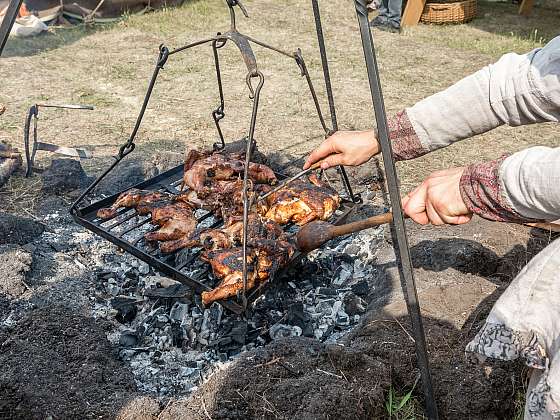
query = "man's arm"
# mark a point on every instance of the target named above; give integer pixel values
(523, 187)
(517, 90)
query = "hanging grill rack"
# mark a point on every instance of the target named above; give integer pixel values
(174, 264)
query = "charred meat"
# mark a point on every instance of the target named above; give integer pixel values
(230, 235)
(203, 169)
(177, 220)
(264, 258)
(301, 201)
(132, 198)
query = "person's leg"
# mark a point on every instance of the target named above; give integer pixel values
(394, 10)
(382, 17)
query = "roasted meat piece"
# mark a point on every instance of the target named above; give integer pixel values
(301, 201)
(264, 258)
(132, 198)
(230, 235)
(202, 169)
(177, 220)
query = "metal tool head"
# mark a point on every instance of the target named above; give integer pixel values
(32, 144)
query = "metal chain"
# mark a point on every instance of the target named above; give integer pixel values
(129, 145)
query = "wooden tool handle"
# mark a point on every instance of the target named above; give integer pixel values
(361, 224)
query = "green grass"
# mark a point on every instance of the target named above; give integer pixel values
(55, 38)
(497, 30)
(87, 96)
(403, 406)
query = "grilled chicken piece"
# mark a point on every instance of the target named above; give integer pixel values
(230, 235)
(264, 258)
(302, 201)
(202, 169)
(177, 220)
(132, 198)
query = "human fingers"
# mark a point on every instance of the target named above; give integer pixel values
(415, 206)
(325, 149)
(434, 217)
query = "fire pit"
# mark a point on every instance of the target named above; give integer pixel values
(126, 229)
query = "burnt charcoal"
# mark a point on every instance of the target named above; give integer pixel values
(354, 305)
(342, 319)
(18, 230)
(174, 291)
(126, 309)
(105, 274)
(308, 330)
(327, 333)
(326, 291)
(128, 339)
(297, 316)
(361, 288)
(179, 311)
(239, 332)
(126, 174)
(64, 175)
(177, 334)
(278, 331)
(240, 146)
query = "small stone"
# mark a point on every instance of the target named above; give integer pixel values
(179, 311)
(354, 305)
(282, 331)
(128, 339)
(361, 288)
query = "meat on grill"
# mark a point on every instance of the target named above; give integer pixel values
(132, 198)
(202, 169)
(264, 258)
(177, 220)
(301, 201)
(230, 235)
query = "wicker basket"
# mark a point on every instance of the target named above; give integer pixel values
(458, 12)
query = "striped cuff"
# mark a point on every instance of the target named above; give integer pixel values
(482, 194)
(404, 140)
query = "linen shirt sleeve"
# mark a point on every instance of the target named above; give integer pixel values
(516, 90)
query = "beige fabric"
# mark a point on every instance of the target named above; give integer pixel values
(525, 324)
(517, 90)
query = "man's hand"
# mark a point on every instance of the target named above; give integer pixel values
(438, 200)
(350, 148)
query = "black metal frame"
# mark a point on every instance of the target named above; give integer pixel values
(243, 43)
(8, 22)
(169, 264)
(30, 139)
(399, 230)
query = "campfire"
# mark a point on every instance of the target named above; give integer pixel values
(221, 231)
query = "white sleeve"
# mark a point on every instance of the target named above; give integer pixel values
(517, 90)
(530, 182)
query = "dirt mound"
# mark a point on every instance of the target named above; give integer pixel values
(15, 263)
(59, 364)
(18, 230)
(291, 378)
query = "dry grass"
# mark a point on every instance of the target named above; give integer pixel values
(109, 67)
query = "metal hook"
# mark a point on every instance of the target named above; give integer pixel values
(250, 76)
